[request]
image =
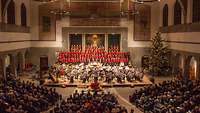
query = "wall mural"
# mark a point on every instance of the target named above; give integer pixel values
(95, 40)
(142, 23)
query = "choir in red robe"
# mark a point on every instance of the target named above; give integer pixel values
(93, 54)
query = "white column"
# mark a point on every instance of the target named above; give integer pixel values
(121, 42)
(171, 12)
(4, 67)
(17, 12)
(189, 11)
(106, 42)
(15, 61)
(23, 60)
(83, 42)
(28, 5)
(68, 43)
(0, 12)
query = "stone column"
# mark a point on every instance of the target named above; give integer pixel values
(198, 67)
(18, 13)
(0, 13)
(189, 11)
(20, 61)
(106, 42)
(186, 67)
(68, 43)
(23, 60)
(13, 62)
(171, 12)
(4, 66)
(83, 42)
(122, 42)
(182, 64)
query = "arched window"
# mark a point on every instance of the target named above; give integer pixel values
(165, 15)
(196, 11)
(11, 13)
(3, 3)
(177, 13)
(23, 15)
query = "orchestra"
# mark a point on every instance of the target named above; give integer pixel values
(103, 72)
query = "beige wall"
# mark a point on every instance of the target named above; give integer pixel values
(183, 41)
(11, 36)
(156, 22)
(34, 24)
(14, 46)
(0, 12)
(13, 40)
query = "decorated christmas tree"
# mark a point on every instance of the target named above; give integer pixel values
(158, 59)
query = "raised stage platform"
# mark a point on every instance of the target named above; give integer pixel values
(76, 83)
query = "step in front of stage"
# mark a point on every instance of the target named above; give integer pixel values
(104, 85)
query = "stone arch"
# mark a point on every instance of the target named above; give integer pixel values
(177, 13)
(3, 4)
(193, 68)
(190, 68)
(11, 13)
(196, 11)
(165, 15)
(23, 15)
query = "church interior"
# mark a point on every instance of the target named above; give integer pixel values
(99, 56)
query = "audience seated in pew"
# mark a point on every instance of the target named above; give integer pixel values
(90, 102)
(169, 97)
(26, 97)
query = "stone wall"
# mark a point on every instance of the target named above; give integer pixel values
(182, 59)
(36, 52)
(17, 60)
(136, 54)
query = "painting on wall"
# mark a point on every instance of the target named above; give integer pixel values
(142, 23)
(46, 24)
(95, 40)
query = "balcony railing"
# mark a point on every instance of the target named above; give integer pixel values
(194, 27)
(94, 21)
(13, 28)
